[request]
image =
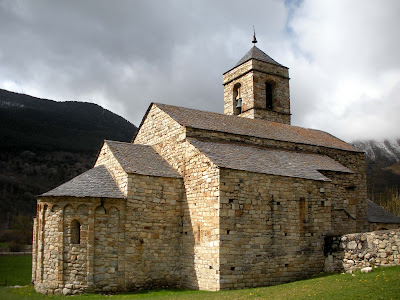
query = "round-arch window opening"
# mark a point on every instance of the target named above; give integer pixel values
(75, 232)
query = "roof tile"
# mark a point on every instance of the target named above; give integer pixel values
(141, 159)
(255, 53)
(253, 127)
(269, 161)
(377, 214)
(96, 182)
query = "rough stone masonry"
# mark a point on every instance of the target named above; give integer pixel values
(360, 250)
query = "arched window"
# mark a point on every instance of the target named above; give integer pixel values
(75, 232)
(237, 99)
(268, 95)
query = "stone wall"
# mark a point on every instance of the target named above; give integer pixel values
(74, 248)
(200, 201)
(350, 193)
(278, 77)
(267, 114)
(34, 247)
(165, 135)
(244, 78)
(93, 245)
(49, 269)
(67, 235)
(201, 222)
(355, 251)
(153, 232)
(46, 255)
(343, 196)
(108, 248)
(272, 228)
(106, 158)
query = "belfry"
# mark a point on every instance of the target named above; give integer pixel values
(257, 87)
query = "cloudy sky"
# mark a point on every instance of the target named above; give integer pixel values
(343, 56)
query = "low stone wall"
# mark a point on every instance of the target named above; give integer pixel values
(15, 253)
(355, 251)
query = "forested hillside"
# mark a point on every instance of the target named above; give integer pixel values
(44, 143)
(383, 172)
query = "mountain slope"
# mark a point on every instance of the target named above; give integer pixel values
(44, 143)
(37, 124)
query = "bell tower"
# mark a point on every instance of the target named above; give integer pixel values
(257, 87)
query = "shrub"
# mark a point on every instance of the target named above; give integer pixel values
(15, 246)
(11, 235)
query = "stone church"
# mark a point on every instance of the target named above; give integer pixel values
(203, 200)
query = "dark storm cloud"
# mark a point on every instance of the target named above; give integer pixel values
(125, 54)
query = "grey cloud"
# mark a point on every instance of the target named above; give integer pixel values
(125, 54)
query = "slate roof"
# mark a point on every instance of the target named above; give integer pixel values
(96, 182)
(253, 127)
(377, 214)
(141, 159)
(269, 161)
(255, 53)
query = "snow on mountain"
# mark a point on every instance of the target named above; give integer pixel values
(10, 104)
(388, 150)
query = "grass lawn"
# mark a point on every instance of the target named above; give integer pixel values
(15, 270)
(382, 283)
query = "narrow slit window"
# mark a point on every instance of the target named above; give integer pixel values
(75, 232)
(268, 95)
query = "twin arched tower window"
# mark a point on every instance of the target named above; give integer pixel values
(75, 232)
(237, 98)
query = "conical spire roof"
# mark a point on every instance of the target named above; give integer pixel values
(255, 53)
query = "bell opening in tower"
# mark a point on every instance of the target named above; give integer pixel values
(237, 99)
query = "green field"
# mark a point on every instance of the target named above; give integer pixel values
(15, 270)
(382, 283)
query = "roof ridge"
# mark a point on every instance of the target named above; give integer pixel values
(119, 142)
(243, 118)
